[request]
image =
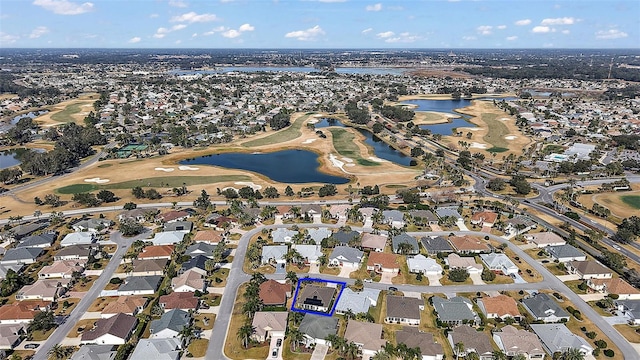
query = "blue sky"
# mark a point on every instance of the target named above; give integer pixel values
(319, 24)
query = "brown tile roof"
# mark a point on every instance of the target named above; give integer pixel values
(283, 209)
(172, 215)
(472, 339)
(156, 251)
(17, 311)
(120, 325)
(273, 293)
(403, 307)
(501, 305)
(468, 243)
(387, 261)
(485, 216)
(369, 335)
(314, 292)
(615, 286)
(414, 338)
(208, 236)
(179, 300)
(373, 241)
(151, 265)
(125, 305)
(589, 267)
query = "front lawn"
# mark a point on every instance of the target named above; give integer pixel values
(198, 347)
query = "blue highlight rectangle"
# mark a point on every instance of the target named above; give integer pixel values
(335, 303)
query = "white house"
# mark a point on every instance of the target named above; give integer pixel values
(499, 263)
(78, 238)
(423, 264)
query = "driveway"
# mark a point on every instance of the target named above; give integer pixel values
(460, 224)
(320, 352)
(386, 277)
(592, 297)
(570, 277)
(477, 279)
(434, 280)
(518, 279)
(314, 269)
(317, 219)
(345, 271)
(272, 346)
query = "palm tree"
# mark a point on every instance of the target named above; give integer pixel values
(295, 336)
(351, 351)
(209, 265)
(292, 277)
(499, 355)
(186, 334)
(458, 349)
(472, 356)
(258, 278)
(59, 352)
(572, 354)
(519, 357)
(244, 334)
(381, 355)
(251, 306)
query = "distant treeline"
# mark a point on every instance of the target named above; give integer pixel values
(7, 85)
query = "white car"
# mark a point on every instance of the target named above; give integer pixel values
(368, 280)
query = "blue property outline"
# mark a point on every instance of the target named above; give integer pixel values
(335, 303)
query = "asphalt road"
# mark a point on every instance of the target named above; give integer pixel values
(61, 332)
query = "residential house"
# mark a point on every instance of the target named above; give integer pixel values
(274, 254)
(414, 338)
(78, 238)
(448, 211)
(544, 308)
(273, 293)
(92, 225)
(423, 217)
(346, 256)
(484, 218)
(499, 307)
(184, 301)
(473, 341)
(436, 244)
(393, 218)
(269, 324)
(403, 310)
(544, 239)
(139, 285)
(367, 336)
(631, 309)
(197, 263)
(148, 267)
(357, 302)
(519, 224)
(173, 216)
(212, 237)
(76, 252)
(139, 214)
(469, 245)
(130, 305)
(221, 223)
(467, 262)
(512, 342)
(367, 212)
(11, 335)
(411, 248)
(316, 298)
(38, 241)
(189, 281)
(558, 338)
(373, 242)
(95, 352)
(617, 286)
(454, 311)
(310, 253)
(589, 269)
(168, 237)
(565, 253)
(285, 211)
(170, 324)
(317, 235)
(310, 210)
(155, 252)
(184, 226)
(17, 313)
(62, 269)
(157, 349)
(383, 262)
(316, 328)
(339, 211)
(201, 248)
(282, 235)
(114, 330)
(346, 238)
(45, 290)
(20, 231)
(499, 263)
(424, 265)
(24, 256)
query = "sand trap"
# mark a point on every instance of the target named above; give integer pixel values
(189, 168)
(350, 165)
(250, 184)
(347, 160)
(505, 119)
(376, 159)
(309, 141)
(164, 169)
(229, 187)
(472, 129)
(313, 121)
(97, 180)
(510, 137)
(335, 162)
(476, 145)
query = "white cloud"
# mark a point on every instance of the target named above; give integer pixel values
(501, 27)
(306, 35)
(193, 17)
(178, 27)
(246, 27)
(374, 7)
(559, 21)
(523, 22)
(8, 38)
(512, 38)
(566, 32)
(611, 34)
(215, 30)
(331, 1)
(153, 16)
(231, 34)
(469, 38)
(385, 35)
(134, 40)
(64, 7)
(177, 3)
(404, 37)
(542, 29)
(367, 30)
(194, 35)
(39, 31)
(163, 31)
(484, 29)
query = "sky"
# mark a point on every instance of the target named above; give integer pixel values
(375, 24)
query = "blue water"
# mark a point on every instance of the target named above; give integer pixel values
(384, 151)
(345, 70)
(9, 158)
(286, 166)
(325, 122)
(32, 115)
(444, 106)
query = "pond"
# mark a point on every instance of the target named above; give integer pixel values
(32, 114)
(384, 151)
(11, 157)
(327, 122)
(444, 106)
(286, 166)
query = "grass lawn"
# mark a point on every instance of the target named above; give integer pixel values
(42, 335)
(199, 321)
(428, 324)
(288, 354)
(345, 144)
(501, 279)
(290, 133)
(157, 182)
(79, 286)
(498, 130)
(598, 309)
(65, 115)
(211, 299)
(221, 274)
(555, 269)
(330, 270)
(232, 346)
(61, 310)
(629, 332)
(105, 165)
(198, 347)
(445, 281)
(405, 277)
(573, 285)
(100, 303)
(528, 273)
(363, 273)
(631, 200)
(85, 324)
(575, 327)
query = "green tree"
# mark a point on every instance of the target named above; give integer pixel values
(572, 354)
(138, 193)
(130, 206)
(458, 275)
(59, 352)
(203, 202)
(288, 191)
(106, 196)
(130, 227)
(42, 321)
(244, 334)
(295, 336)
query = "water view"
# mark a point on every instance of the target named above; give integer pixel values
(444, 106)
(327, 122)
(345, 70)
(286, 166)
(11, 157)
(384, 151)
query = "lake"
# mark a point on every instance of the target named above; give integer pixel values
(299, 69)
(384, 151)
(9, 158)
(444, 106)
(286, 166)
(327, 122)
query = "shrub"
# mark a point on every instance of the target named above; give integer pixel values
(115, 280)
(609, 353)
(601, 343)
(458, 275)
(591, 335)
(614, 296)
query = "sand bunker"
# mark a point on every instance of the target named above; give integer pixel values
(97, 180)
(476, 145)
(189, 168)
(376, 159)
(335, 162)
(164, 169)
(472, 128)
(350, 164)
(309, 141)
(505, 119)
(250, 184)
(510, 137)
(347, 160)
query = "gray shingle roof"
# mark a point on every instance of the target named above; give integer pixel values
(318, 326)
(455, 309)
(405, 238)
(542, 305)
(350, 254)
(140, 283)
(557, 338)
(120, 325)
(18, 254)
(38, 240)
(175, 320)
(157, 349)
(436, 245)
(95, 352)
(403, 307)
(563, 251)
(343, 237)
